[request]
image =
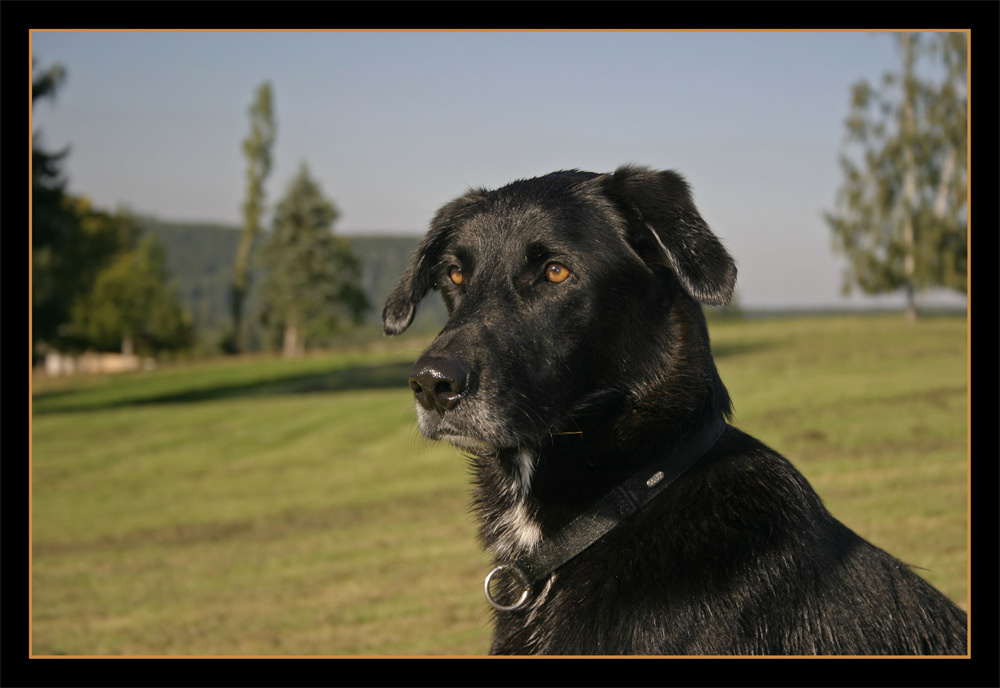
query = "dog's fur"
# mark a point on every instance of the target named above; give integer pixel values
(558, 391)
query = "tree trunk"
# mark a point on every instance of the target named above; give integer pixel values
(293, 347)
(944, 184)
(241, 279)
(907, 128)
(911, 304)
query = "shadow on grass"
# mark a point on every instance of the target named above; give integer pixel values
(380, 376)
(383, 376)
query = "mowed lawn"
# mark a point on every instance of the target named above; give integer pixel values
(265, 507)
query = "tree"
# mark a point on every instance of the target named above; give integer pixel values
(93, 283)
(310, 281)
(70, 241)
(901, 215)
(131, 306)
(53, 224)
(257, 148)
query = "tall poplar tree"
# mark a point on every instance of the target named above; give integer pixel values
(257, 148)
(310, 283)
(901, 215)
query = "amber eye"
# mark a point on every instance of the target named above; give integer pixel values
(556, 273)
(455, 274)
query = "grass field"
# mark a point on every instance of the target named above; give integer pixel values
(266, 507)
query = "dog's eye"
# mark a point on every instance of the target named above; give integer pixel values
(556, 273)
(455, 274)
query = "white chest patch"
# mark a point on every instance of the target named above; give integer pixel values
(517, 531)
(525, 469)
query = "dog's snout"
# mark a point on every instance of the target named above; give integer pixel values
(439, 384)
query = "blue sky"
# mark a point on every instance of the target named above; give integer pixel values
(394, 124)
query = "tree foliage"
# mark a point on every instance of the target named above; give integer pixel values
(131, 305)
(88, 268)
(257, 148)
(53, 224)
(901, 215)
(310, 284)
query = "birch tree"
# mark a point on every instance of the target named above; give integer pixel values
(901, 217)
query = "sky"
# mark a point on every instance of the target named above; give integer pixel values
(395, 124)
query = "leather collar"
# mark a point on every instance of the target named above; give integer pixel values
(626, 499)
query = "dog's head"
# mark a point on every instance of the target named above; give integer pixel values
(566, 293)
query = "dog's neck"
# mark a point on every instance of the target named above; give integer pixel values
(526, 494)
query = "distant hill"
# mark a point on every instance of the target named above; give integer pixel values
(200, 258)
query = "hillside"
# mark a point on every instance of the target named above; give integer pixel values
(200, 258)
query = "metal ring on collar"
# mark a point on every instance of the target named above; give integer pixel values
(519, 576)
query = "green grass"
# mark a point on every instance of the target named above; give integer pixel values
(873, 410)
(271, 507)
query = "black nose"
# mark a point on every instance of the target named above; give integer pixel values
(438, 384)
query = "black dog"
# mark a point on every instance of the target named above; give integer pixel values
(625, 515)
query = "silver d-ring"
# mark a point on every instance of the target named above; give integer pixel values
(503, 607)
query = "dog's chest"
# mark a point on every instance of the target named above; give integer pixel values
(515, 532)
(509, 524)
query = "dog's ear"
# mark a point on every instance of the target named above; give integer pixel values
(667, 229)
(418, 279)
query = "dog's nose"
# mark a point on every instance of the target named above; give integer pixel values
(438, 384)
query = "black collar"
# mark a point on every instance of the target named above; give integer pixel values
(608, 512)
